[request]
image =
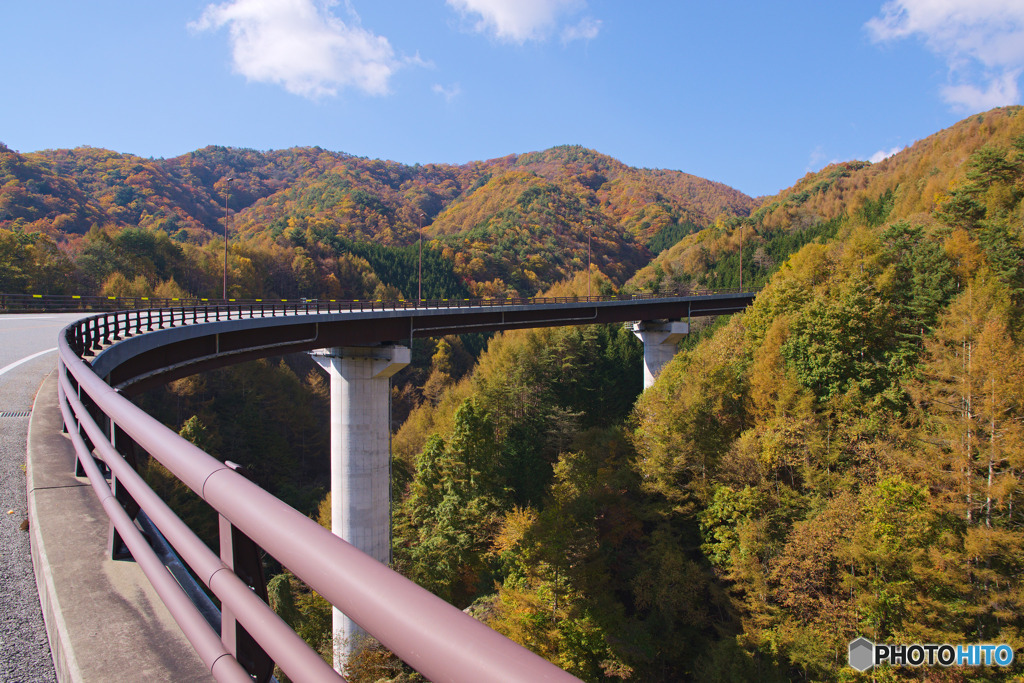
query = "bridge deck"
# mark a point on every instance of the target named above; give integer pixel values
(145, 361)
(57, 497)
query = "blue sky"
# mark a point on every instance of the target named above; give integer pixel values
(751, 94)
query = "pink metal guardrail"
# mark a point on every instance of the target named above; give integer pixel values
(436, 639)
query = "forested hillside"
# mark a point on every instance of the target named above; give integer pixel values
(843, 459)
(306, 222)
(850, 450)
(910, 185)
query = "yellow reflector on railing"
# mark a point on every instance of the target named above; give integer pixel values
(37, 296)
(145, 298)
(230, 299)
(75, 296)
(260, 300)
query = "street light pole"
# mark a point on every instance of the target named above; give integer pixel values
(589, 228)
(741, 256)
(226, 195)
(419, 219)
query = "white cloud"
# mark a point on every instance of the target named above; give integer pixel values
(449, 93)
(882, 155)
(982, 41)
(587, 29)
(1000, 90)
(302, 46)
(517, 21)
(816, 160)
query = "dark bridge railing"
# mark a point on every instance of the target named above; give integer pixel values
(435, 638)
(66, 303)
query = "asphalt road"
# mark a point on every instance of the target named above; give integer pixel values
(27, 354)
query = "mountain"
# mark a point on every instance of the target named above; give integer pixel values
(514, 224)
(517, 223)
(912, 185)
(534, 221)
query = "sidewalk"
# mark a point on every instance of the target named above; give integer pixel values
(103, 618)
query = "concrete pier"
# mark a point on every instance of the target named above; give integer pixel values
(360, 458)
(660, 339)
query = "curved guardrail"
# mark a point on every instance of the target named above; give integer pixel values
(435, 638)
(67, 303)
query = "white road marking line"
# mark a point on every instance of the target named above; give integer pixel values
(15, 316)
(25, 360)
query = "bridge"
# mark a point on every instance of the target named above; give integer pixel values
(106, 358)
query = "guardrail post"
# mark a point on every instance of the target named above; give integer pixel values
(75, 341)
(241, 554)
(106, 329)
(65, 427)
(79, 470)
(86, 337)
(100, 419)
(124, 445)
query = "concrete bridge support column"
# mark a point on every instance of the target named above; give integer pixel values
(360, 458)
(660, 339)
